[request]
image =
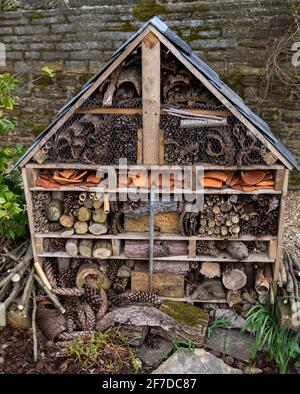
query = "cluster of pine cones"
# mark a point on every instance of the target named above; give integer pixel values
(84, 306)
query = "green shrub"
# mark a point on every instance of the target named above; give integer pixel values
(13, 217)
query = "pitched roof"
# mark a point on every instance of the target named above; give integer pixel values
(202, 67)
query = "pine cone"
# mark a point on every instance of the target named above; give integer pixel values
(71, 316)
(113, 267)
(86, 316)
(67, 278)
(50, 273)
(201, 247)
(68, 292)
(141, 297)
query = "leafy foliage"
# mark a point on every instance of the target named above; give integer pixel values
(13, 218)
(8, 99)
(281, 343)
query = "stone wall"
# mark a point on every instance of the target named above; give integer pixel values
(76, 38)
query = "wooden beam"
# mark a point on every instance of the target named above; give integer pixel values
(219, 96)
(134, 111)
(280, 229)
(122, 56)
(151, 98)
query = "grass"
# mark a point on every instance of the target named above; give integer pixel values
(281, 343)
(183, 345)
(218, 323)
(103, 352)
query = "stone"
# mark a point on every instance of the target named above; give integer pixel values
(197, 362)
(235, 321)
(153, 355)
(209, 289)
(232, 343)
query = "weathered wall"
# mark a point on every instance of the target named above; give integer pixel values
(76, 38)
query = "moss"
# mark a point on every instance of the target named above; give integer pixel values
(127, 27)
(146, 9)
(184, 313)
(36, 15)
(43, 82)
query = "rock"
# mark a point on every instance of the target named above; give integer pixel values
(154, 355)
(232, 343)
(235, 321)
(198, 362)
(237, 250)
(209, 289)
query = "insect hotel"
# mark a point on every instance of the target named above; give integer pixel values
(156, 104)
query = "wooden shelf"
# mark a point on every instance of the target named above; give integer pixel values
(157, 236)
(205, 166)
(134, 111)
(223, 258)
(144, 191)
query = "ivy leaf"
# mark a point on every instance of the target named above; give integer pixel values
(48, 71)
(5, 125)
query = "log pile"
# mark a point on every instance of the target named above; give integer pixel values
(230, 217)
(289, 284)
(70, 212)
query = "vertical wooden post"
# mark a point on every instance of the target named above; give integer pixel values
(280, 229)
(151, 98)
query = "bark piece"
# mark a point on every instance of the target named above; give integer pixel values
(189, 322)
(54, 210)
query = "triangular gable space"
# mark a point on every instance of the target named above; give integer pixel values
(91, 131)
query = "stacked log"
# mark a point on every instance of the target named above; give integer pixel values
(230, 217)
(70, 213)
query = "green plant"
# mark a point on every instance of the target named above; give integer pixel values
(281, 343)
(108, 352)
(8, 99)
(183, 345)
(218, 323)
(13, 218)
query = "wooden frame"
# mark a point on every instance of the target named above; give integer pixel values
(150, 151)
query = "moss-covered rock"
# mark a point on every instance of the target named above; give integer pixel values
(185, 313)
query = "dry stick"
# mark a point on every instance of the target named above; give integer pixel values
(22, 261)
(295, 293)
(13, 294)
(24, 303)
(33, 324)
(52, 296)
